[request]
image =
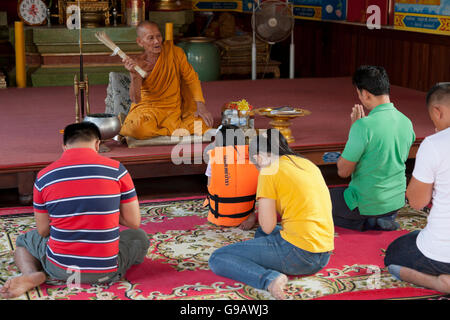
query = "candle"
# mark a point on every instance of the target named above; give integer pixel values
(21, 76)
(169, 31)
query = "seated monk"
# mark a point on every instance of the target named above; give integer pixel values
(170, 97)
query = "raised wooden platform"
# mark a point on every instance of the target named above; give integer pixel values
(33, 117)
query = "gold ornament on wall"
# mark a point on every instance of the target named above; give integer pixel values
(94, 13)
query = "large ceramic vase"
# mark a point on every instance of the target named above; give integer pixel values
(203, 55)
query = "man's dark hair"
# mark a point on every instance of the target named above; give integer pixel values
(374, 79)
(438, 93)
(84, 131)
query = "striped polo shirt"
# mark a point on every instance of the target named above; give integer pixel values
(82, 192)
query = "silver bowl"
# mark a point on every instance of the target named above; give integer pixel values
(108, 124)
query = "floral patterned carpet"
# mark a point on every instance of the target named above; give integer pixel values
(181, 241)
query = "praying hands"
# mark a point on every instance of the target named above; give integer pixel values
(357, 113)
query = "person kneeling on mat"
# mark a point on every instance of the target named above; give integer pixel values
(294, 188)
(422, 257)
(232, 180)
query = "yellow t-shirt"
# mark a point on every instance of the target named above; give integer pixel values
(302, 200)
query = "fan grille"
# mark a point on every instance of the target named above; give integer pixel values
(273, 21)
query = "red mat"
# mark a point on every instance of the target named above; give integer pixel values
(181, 242)
(32, 117)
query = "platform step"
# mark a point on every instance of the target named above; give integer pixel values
(44, 77)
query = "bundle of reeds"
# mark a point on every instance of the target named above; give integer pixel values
(103, 38)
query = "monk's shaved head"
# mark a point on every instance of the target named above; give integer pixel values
(144, 24)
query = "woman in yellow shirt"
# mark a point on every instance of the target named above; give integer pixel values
(294, 188)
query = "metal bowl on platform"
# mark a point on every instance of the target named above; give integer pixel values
(281, 118)
(108, 124)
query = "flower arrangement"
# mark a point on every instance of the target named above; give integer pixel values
(241, 105)
(238, 113)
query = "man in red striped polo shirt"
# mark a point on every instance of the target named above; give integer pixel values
(79, 202)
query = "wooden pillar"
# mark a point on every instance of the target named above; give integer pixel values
(19, 36)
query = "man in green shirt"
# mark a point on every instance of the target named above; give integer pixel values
(375, 154)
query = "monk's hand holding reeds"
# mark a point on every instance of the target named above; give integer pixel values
(130, 65)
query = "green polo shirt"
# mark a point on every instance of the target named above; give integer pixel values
(380, 144)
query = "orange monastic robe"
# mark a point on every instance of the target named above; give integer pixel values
(168, 97)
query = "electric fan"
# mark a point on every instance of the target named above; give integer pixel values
(273, 21)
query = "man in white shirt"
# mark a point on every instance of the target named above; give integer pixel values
(423, 258)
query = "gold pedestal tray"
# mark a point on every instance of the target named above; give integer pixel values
(282, 120)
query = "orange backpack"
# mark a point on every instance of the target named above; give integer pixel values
(232, 189)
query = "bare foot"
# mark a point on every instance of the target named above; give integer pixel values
(17, 286)
(277, 286)
(443, 283)
(249, 223)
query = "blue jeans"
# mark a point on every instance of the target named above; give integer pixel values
(259, 261)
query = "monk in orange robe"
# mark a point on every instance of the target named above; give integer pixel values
(170, 97)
